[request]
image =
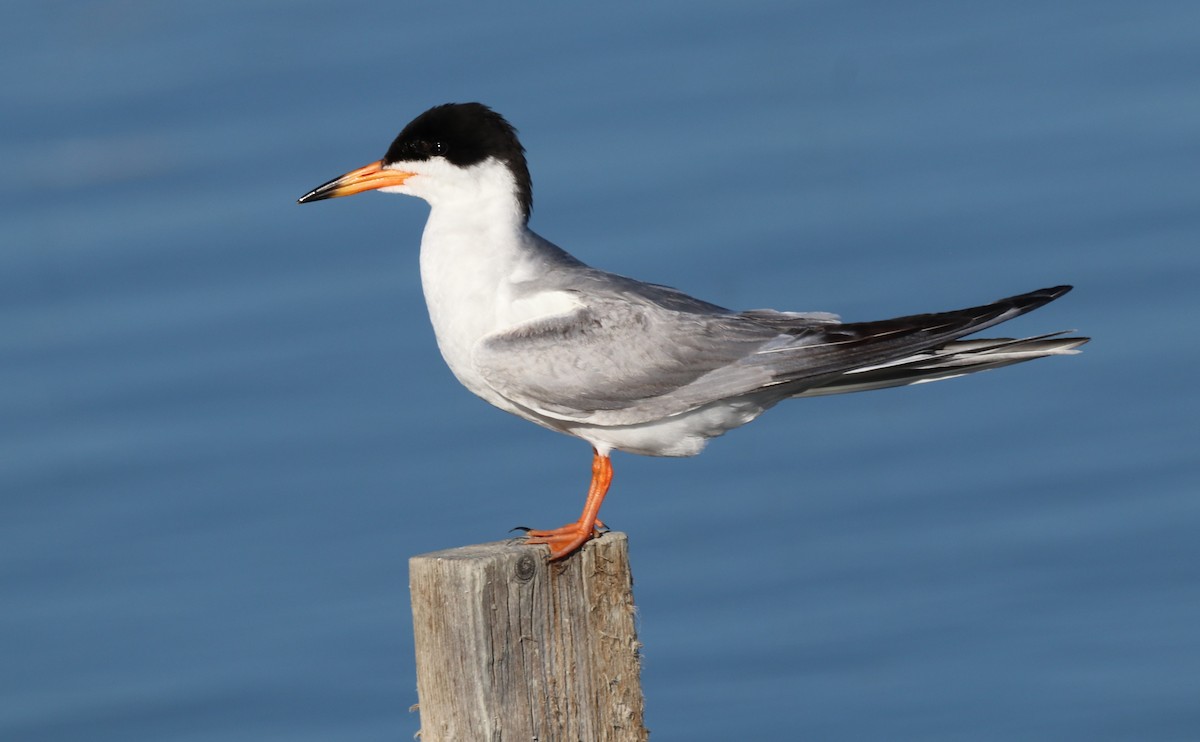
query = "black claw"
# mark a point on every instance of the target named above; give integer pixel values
(523, 529)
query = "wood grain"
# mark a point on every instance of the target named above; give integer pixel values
(513, 647)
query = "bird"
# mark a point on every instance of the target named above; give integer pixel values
(621, 364)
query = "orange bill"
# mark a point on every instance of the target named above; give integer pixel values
(366, 178)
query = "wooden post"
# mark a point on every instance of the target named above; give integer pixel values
(511, 646)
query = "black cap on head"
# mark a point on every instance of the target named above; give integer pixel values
(464, 134)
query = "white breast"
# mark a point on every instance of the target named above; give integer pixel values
(477, 282)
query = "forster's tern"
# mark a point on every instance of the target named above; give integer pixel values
(622, 364)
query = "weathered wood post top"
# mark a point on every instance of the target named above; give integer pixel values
(511, 646)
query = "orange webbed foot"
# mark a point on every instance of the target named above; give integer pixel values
(562, 541)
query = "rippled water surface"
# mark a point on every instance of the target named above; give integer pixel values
(224, 424)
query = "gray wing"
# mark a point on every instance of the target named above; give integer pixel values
(635, 353)
(614, 362)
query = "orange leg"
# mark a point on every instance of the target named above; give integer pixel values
(567, 540)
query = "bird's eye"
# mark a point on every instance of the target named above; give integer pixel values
(438, 148)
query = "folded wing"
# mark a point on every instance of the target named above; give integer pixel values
(624, 360)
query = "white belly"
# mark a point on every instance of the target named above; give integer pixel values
(678, 435)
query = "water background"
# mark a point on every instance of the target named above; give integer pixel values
(224, 424)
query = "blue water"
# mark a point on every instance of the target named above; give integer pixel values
(224, 424)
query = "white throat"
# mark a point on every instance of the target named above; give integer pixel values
(475, 248)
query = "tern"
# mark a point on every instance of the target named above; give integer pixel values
(622, 364)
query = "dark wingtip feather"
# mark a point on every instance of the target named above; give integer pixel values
(1036, 298)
